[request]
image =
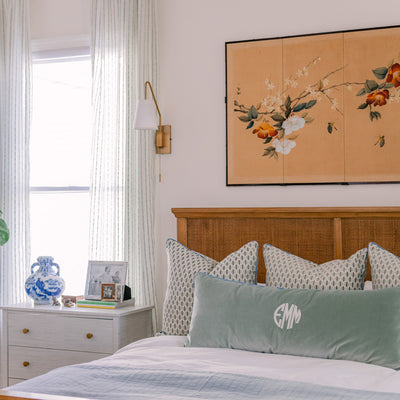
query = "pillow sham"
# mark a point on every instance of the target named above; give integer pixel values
(353, 325)
(385, 267)
(288, 271)
(240, 265)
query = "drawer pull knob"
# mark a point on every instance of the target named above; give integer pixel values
(25, 331)
(89, 335)
(25, 363)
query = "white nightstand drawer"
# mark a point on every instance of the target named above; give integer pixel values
(26, 362)
(54, 331)
(36, 339)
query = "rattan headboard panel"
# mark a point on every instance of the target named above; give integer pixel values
(316, 234)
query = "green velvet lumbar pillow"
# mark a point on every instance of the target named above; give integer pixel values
(359, 325)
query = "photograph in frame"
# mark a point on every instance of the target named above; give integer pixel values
(99, 272)
(119, 292)
(108, 291)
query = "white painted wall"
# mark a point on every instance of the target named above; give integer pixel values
(192, 89)
(191, 97)
(52, 19)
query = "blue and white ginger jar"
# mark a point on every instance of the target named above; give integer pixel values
(45, 283)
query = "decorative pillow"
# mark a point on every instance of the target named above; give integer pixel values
(385, 267)
(353, 325)
(183, 263)
(288, 271)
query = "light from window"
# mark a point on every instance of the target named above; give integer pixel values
(60, 166)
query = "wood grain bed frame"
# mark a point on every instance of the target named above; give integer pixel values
(316, 234)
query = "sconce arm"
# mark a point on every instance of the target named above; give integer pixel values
(147, 83)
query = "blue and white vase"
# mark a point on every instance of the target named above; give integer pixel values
(45, 283)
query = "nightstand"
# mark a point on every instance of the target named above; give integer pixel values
(37, 339)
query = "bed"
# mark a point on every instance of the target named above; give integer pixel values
(176, 367)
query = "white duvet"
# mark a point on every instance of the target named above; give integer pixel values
(168, 352)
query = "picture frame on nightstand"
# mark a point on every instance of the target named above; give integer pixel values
(108, 291)
(103, 272)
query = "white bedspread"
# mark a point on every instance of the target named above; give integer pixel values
(168, 352)
(162, 367)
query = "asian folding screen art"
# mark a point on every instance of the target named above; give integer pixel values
(314, 109)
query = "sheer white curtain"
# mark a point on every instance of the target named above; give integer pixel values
(124, 55)
(15, 85)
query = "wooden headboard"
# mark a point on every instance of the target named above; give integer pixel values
(317, 234)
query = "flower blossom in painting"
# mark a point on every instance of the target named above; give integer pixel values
(393, 75)
(378, 98)
(283, 146)
(288, 110)
(293, 123)
(264, 130)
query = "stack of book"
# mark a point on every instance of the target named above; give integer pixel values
(104, 303)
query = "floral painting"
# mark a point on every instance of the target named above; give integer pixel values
(314, 109)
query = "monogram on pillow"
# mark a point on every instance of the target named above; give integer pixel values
(240, 266)
(385, 267)
(288, 271)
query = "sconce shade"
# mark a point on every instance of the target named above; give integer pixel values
(146, 115)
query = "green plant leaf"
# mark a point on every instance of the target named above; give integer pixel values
(253, 113)
(4, 232)
(362, 106)
(386, 85)
(299, 107)
(311, 103)
(245, 118)
(370, 86)
(270, 152)
(287, 102)
(278, 117)
(267, 140)
(288, 112)
(250, 125)
(374, 115)
(278, 125)
(361, 92)
(380, 73)
(309, 120)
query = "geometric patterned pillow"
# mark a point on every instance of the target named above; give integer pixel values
(385, 267)
(239, 266)
(288, 271)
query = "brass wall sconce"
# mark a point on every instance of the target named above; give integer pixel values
(146, 118)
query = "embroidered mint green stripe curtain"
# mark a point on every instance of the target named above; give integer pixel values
(124, 56)
(15, 112)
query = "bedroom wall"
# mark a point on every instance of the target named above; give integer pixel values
(52, 19)
(191, 97)
(192, 36)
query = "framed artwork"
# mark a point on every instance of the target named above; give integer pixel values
(321, 108)
(108, 291)
(103, 272)
(119, 292)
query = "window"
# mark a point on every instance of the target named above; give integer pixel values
(60, 165)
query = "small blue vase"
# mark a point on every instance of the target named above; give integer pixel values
(45, 283)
